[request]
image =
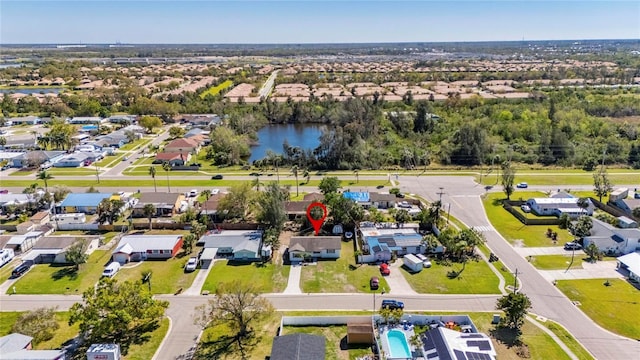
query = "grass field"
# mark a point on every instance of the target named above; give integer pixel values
(53, 279)
(568, 340)
(214, 90)
(476, 278)
(569, 177)
(557, 262)
(516, 232)
(333, 345)
(268, 277)
(340, 275)
(609, 306)
(167, 275)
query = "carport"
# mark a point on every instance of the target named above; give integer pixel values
(207, 256)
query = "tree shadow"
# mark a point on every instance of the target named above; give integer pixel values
(497, 202)
(69, 272)
(509, 337)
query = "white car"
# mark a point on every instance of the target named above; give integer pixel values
(193, 193)
(215, 191)
(525, 208)
(425, 260)
(192, 264)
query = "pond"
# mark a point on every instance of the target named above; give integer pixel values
(271, 137)
(30, 91)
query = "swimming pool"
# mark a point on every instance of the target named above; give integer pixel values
(398, 345)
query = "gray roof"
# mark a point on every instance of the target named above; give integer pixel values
(34, 355)
(298, 347)
(237, 240)
(13, 342)
(57, 242)
(157, 199)
(10, 198)
(375, 196)
(142, 243)
(314, 243)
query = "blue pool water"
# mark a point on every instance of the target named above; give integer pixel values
(398, 345)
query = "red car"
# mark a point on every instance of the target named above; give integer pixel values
(384, 269)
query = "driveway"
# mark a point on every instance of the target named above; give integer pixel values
(598, 270)
(538, 251)
(293, 285)
(398, 285)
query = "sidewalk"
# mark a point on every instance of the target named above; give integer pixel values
(293, 285)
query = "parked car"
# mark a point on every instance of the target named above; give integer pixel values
(193, 193)
(4, 191)
(374, 283)
(392, 304)
(111, 269)
(125, 158)
(400, 195)
(425, 260)
(572, 246)
(385, 269)
(21, 269)
(215, 191)
(525, 208)
(216, 177)
(191, 265)
(522, 185)
(6, 167)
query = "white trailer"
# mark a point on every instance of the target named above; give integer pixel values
(412, 263)
(6, 255)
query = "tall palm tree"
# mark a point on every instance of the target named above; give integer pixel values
(294, 170)
(356, 172)
(149, 210)
(306, 175)
(45, 176)
(256, 182)
(152, 172)
(167, 168)
(206, 194)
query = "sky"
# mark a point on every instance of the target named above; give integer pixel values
(302, 21)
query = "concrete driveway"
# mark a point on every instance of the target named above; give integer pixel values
(398, 285)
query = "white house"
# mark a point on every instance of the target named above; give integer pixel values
(380, 243)
(612, 240)
(142, 247)
(22, 243)
(631, 263)
(316, 247)
(558, 206)
(53, 249)
(72, 218)
(241, 245)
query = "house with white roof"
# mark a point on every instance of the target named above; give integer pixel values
(556, 206)
(19, 347)
(241, 245)
(381, 243)
(23, 243)
(631, 263)
(612, 240)
(143, 247)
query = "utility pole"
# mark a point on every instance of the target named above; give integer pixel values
(515, 282)
(97, 173)
(441, 193)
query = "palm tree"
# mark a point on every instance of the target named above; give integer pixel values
(294, 170)
(306, 175)
(206, 194)
(167, 168)
(149, 210)
(583, 204)
(356, 172)
(152, 172)
(45, 176)
(256, 182)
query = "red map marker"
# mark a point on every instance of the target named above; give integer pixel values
(316, 223)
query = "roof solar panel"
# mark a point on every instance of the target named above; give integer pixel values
(432, 355)
(459, 355)
(472, 336)
(427, 343)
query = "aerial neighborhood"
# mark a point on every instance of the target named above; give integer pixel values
(332, 202)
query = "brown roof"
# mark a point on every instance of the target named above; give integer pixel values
(167, 156)
(297, 207)
(4, 239)
(157, 198)
(56, 242)
(377, 197)
(313, 197)
(40, 215)
(182, 142)
(212, 203)
(314, 243)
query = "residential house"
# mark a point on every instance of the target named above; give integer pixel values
(166, 204)
(314, 247)
(182, 145)
(382, 200)
(87, 120)
(560, 205)
(53, 249)
(41, 218)
(83, 202)
(19, 200)
(380, 243)
(296, 209)
(143, 247)
(626, 223)
(210, 207)
(313, 197)
(444, 343)
(626, 204)
(173, 158)
(19, 347)
(241, 245)
(631, 263)
(361, 198)
(196, 132)
(122, 119)
(37, 157)
(23, 243)
(70, 218)
(200, 120)
(76, 159)
(116, 139)
(612, 240)
(24, 120)
(10, 156)
(298, 347)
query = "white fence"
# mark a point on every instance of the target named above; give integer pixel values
(343, 320)
(85, 227)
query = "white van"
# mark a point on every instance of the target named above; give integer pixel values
(5, 256)
(111, 269)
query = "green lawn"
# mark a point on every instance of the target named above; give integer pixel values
(516, 232)
(5, 271)
(55, 279)
(145, 351)
(138, 143)
(268, 277)
(214, 90)
(476, 278)
(22, 173)
(333, 345)
(167, 275)
(609, 306)
(557, 262)
(568, 340)
(341, 275)
(568, 177)
(506, 274)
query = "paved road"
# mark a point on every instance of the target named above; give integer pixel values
(464, 196)
(268, 85)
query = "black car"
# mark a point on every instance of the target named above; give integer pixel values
(21, 269)
(216, 177)
(392, 304)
